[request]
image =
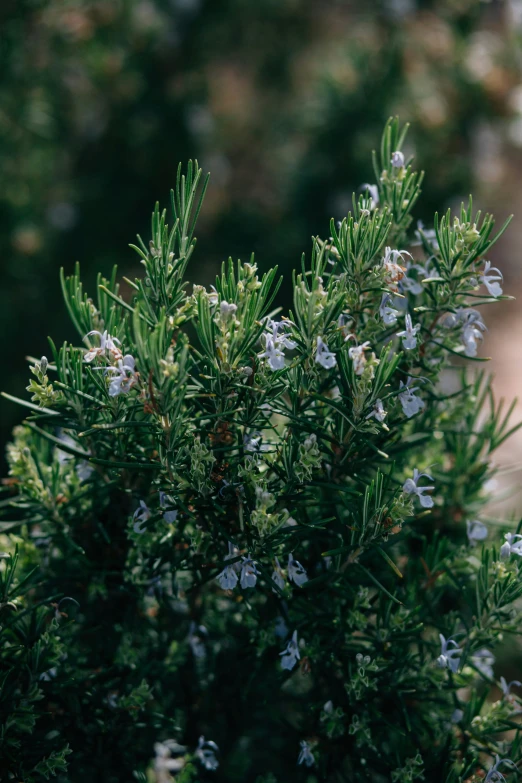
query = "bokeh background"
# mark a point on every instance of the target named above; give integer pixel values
(282, 100)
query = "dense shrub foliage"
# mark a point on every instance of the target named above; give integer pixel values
(260, 539)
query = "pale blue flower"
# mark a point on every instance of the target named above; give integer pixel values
(512, 545)
(122, 377)
(410, 487)
(228, 578)
(278, 334)
(397, 159)
(409, 339)
(494, 776)
(140, 516)
(410, 403)
(484, 660)
(169, 516)
(252, 442)
(273, 354)
(387, 312)
(449, 657)
(249, 573)
(290, 654)
(306, 756)
(206, 753)
(490, 279)
(476, 531)
(472, 329)
(324, 356)
(296, 572)
(107, 347)
(377, 412)
(506, 687)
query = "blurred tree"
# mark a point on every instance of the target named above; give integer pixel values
(281, 99)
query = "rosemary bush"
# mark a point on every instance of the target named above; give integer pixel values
(259, 537)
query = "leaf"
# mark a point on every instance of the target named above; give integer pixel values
(30, 405)
(388, 559)
(379, 585)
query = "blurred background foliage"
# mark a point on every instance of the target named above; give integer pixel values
(280, 99)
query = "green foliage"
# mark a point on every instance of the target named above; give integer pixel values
(30, 651)
(255, 581)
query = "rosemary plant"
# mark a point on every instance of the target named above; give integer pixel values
(271, 527)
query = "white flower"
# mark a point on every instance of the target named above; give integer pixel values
(476, 531)
(169, 516)
(227, 310)
(356, 354)
(506, 687)
(107, 346)
(123, 376)
(323, 356)
(490, 279)
(306, 756)
(290, 655)
(457, 716)
(274, 355)
(296, 572)
(397, 159)
(484, 660)
(512, 546)
(494, 776)
(387, 312)
(378, 411)
(411, 488)
(277, 576)
(409, 339)
(373, 192)
(164, 763)
(141, 515)
(206, 753)
(213, 296)
(249, 573)
(449, 658)
(410, 403)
